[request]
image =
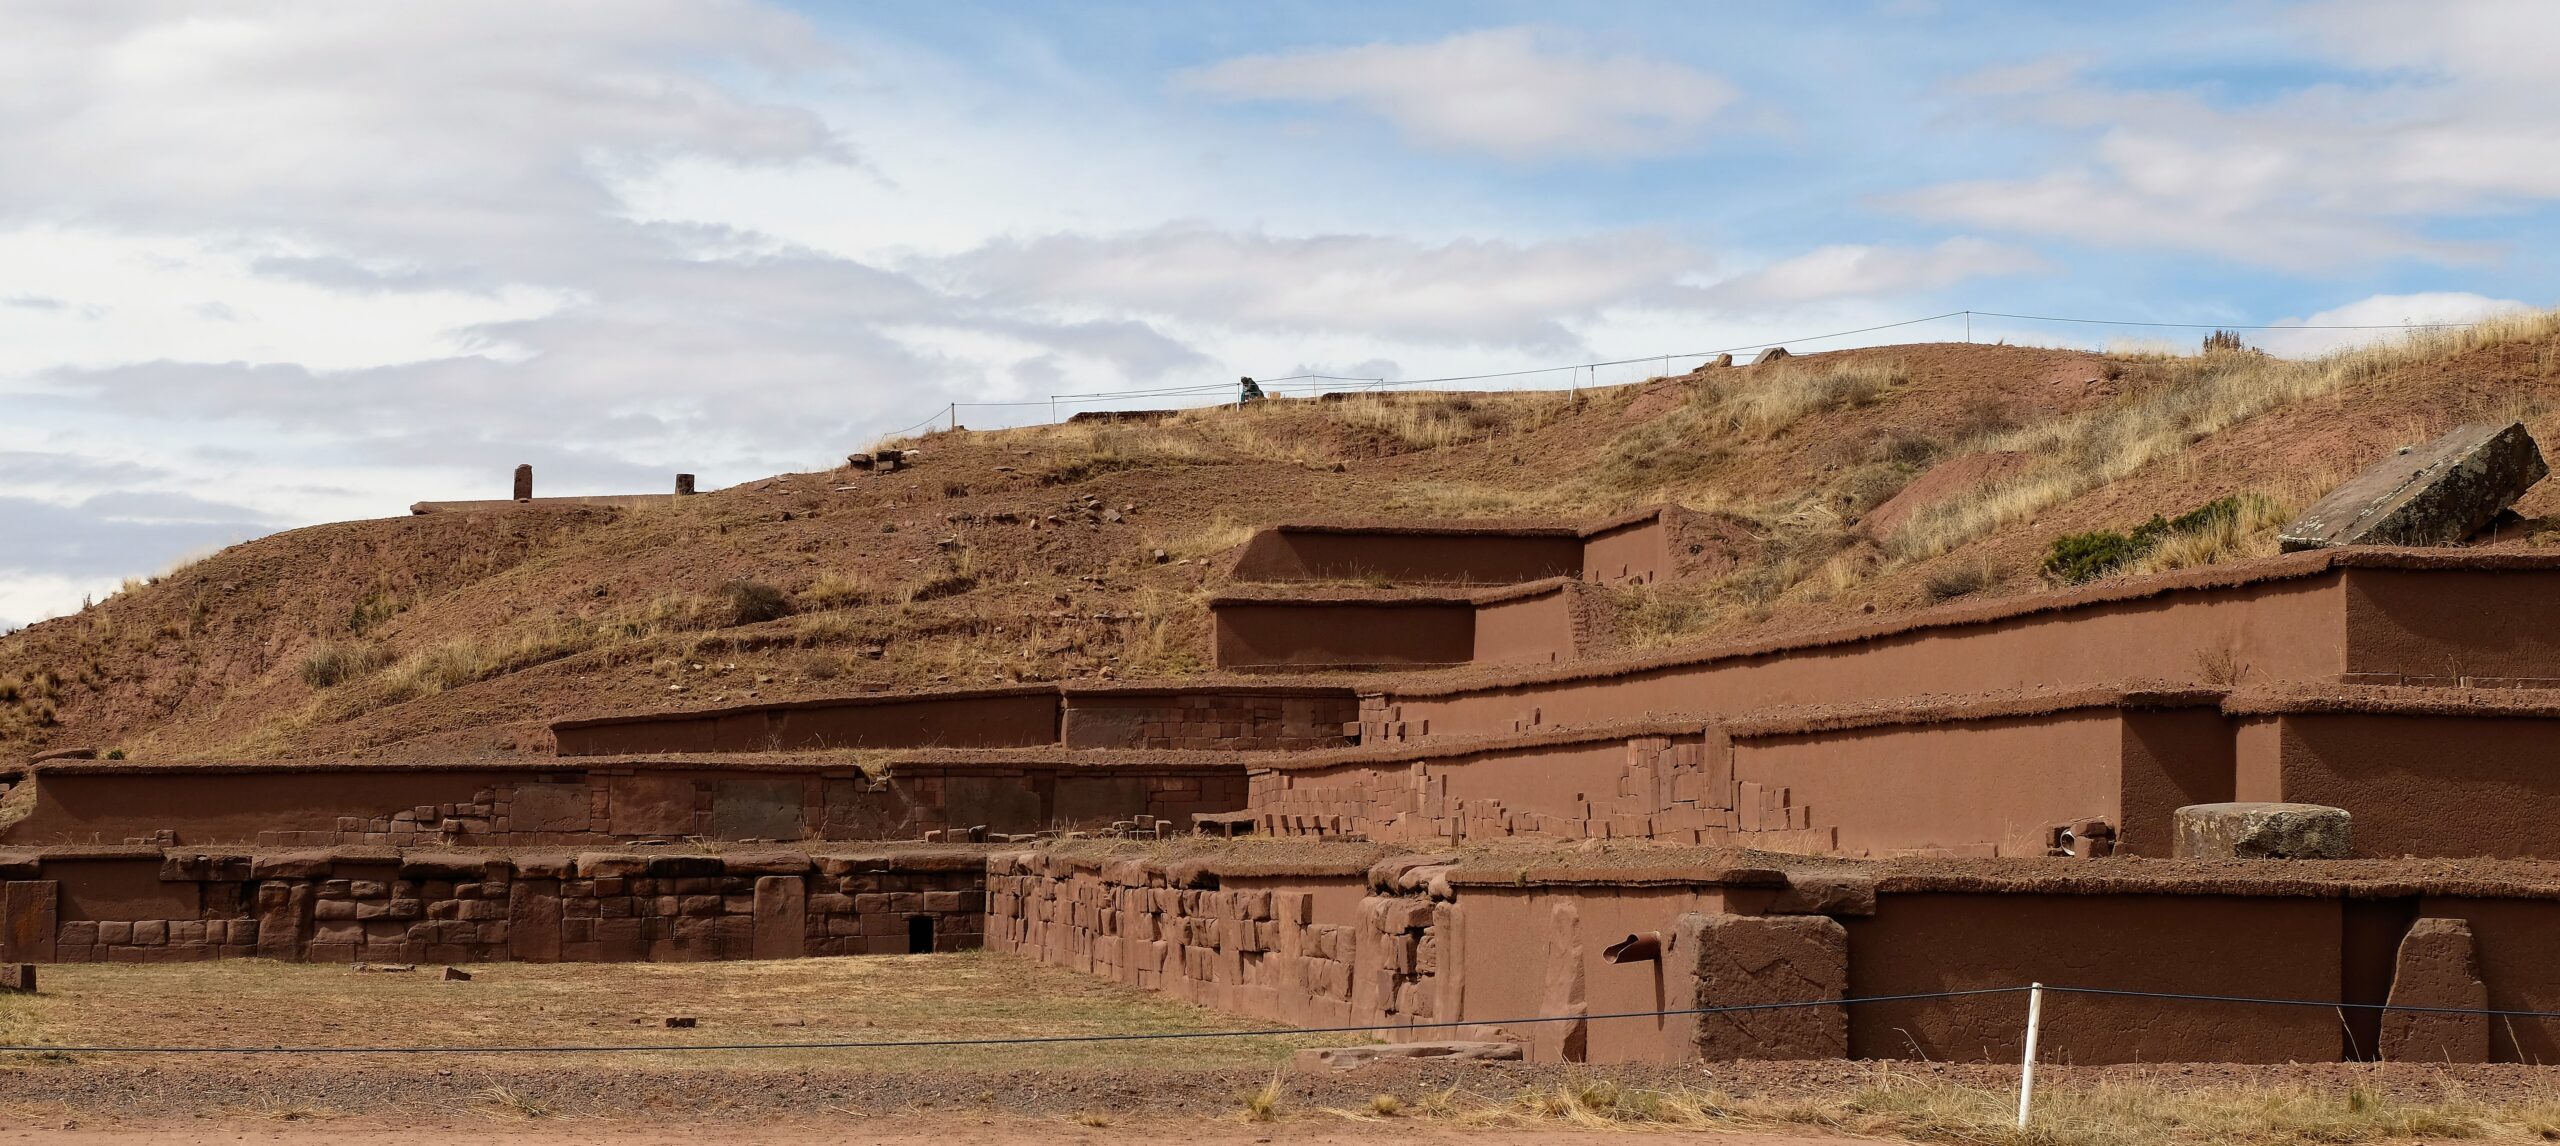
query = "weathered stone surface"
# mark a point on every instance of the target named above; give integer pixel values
(1348, 1058)
(758, 809)
(2439, 967)
(551, 808)
(18, 977)
(2435, 494)
(781, 904)
(29, 910)
(524, 483)
(651, 805)
(1772, 354)
(2262, 831)
(1743, 960)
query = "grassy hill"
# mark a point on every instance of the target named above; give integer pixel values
(1860, 481)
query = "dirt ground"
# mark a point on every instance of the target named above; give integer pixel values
(848, 1133)
(1218, 1091)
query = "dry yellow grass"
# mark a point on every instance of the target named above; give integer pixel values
(2203, 396)
(2131, 1112)
(869, 999)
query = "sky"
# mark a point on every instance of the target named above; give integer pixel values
(265, 265)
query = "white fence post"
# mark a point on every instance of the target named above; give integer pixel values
(2027, 1066)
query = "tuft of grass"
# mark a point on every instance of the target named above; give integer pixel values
(333, 663)
(754, 602)
(1960, 580)
(1386, 1105)
(1264, 1105)
(837, 589)
(516, 1102)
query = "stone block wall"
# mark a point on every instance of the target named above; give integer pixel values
(1663, 788)
(606, 805)
(381, 905)
(1239, 721)
(1269, 948)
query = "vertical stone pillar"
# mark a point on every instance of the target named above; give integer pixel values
(684, 485)
(1741, 960)
(533, 920)
(1566, 990)
(524, 483)
(782, 916)
(2439, 966)
(284, 919)
(28, 918)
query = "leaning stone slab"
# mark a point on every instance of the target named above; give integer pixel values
(2438, 1001)
(2261, 831)
(2435, 494)
(1347, 1058)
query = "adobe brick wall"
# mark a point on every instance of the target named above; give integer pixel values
(1312, 951)
(601, 804)
(459, 907)
(1664, 787)
(1205, 716)
(1218, 720)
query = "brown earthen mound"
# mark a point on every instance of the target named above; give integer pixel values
(1087, 553)
(1940, 482)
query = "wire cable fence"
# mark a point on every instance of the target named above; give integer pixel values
(1574, 375)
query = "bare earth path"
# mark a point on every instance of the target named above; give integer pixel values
(899, 1132)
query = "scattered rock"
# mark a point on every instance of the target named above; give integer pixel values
(2436, 494)
(2261, 831)
(1351, 1058)
(679, 1022)
(1772, 354)
(455, 975)
(18, 978)
(1161, 556)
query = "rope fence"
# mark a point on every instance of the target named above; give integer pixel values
(1224, 393)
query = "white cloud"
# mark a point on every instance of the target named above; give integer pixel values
(2446, 119)
(1513, 92)
(1859, 270)
(1514, 294)
(2400, 311)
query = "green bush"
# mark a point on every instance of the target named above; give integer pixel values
(2076, 557)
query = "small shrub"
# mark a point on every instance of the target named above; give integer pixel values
(754, 602)
(2224, 342)
(955, 489)
(2076, 557)
(1958, 581)
(115, 754)
(1385, 1105)
(333, 663)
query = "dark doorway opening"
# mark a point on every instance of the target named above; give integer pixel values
(919, 935)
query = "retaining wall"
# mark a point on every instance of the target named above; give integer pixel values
(1427, 938)
(1540, 623)
(555, 804)
(2354, 616)
(147, 905)
(1632, 548)
(2423, 771)
(1029, 716)
(1987, 778)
